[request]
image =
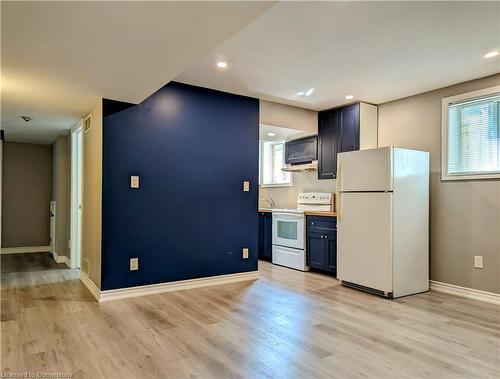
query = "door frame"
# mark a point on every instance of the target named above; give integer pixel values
(76, 194)
(52, 227)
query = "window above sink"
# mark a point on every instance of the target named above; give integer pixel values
(272, 160)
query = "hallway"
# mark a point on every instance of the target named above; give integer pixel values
(28, 262)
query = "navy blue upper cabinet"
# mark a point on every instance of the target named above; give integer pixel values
(347, 128)
(328, 140)
(304, 150)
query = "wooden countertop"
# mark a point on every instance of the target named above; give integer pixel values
(308, 213)
(321, 213)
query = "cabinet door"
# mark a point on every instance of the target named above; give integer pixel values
(268, 234)
(315, 251)
(349, 139)
(331, 252)
(261, 233)
(328, 132)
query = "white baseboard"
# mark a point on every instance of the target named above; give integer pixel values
(25, 249)
(67, 261)
(153, 289)
(90, 285)
(59, 258)
(469, 293)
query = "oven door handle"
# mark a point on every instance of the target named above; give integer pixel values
(290, 215)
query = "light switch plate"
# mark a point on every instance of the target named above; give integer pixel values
(246, 186)
(134, 181)
(245, 252)
(478, 261)
(134, 264)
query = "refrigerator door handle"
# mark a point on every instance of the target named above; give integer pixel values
(339, 176)
(339, 188)
(386, 171)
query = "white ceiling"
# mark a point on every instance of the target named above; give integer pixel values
(280, 133)
(376, 51)
(58, 58)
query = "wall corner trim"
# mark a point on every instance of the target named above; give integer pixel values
(469, 293)
(153, 289)
(25, 249)
(84, 278)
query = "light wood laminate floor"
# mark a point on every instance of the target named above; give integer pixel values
(288, 324)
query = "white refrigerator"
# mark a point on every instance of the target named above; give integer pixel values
(383, 220)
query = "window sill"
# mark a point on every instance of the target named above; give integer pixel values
(485, 176)
(276, 185)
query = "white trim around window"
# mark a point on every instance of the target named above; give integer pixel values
(446, 102)
(266, 162)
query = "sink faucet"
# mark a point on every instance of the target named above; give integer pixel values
(270, 201)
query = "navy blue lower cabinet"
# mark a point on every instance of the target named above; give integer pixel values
(331, 252)
(315, 251)
(321, 243)
(265, 235)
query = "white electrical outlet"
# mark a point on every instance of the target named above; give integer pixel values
(478, 261)
(246, 186)
(245, 252)
(134, 181)
(134, 264)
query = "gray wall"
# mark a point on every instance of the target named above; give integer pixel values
(465, 215)
(26, 194)
(60, 193)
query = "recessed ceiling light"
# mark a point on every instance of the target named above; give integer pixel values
(349, 97)
(26, 118)
(305, 93)
(491, 54)
(271, 134)
(221, 64)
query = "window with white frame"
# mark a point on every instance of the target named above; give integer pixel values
(272, 159)
(471, 135)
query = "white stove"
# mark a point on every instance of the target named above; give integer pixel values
(289, 230)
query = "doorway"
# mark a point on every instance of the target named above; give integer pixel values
(52, 227)
(76, 194)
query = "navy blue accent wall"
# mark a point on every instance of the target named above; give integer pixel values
(192, 148)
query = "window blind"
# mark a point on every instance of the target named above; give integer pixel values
(474, 136)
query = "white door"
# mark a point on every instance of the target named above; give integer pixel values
(288, 230)
(52, 226)
(364, 239)
(365, 170)
(76, 194)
